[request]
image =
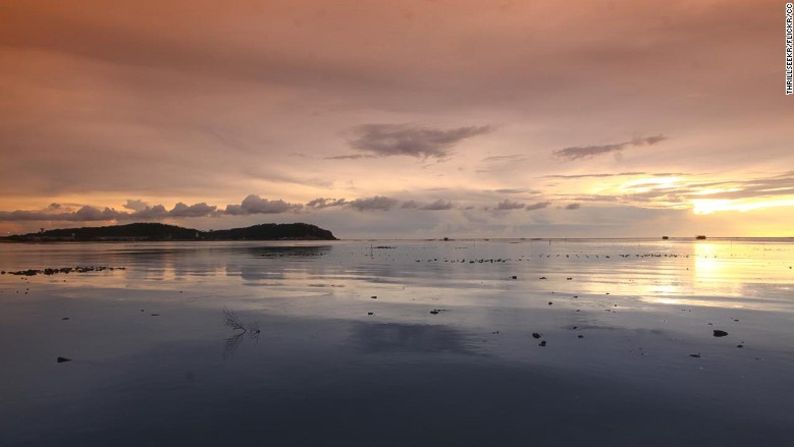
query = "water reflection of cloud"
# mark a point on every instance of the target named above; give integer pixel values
(417, 338)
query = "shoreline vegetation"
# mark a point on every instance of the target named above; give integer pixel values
(162, 232)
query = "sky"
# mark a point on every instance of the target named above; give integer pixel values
(400, 119)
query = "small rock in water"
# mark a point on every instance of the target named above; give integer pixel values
(155, 315)
(550, 303)
(697, 356)
(515, 277)
(542, 343)
(370, 313)
(542, 277)
(374, 297)
(435, 311)
(63, 359)
(719, 333)
(65, 318)
(739, 346)
(535, 335)
(568, 278)
(580, 336)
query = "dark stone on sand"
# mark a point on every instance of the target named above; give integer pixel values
(719, 333)
(535, 335)
(542, 277)
(550, 303)
(515, 277)
(374, 297)
(63, 359)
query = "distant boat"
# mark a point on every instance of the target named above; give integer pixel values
(700, 237)
(664, 238)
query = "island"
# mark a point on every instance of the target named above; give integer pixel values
(165, 232)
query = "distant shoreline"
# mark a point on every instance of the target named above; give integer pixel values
(157, 232)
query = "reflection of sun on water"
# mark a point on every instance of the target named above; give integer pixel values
(706, 263)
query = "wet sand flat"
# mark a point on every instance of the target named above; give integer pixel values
(471, 342)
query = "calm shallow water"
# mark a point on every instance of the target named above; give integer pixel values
(322, 371)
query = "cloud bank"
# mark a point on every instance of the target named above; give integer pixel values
(579, 152)
(387, 140)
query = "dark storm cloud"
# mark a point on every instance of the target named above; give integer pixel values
(437, 205)
(197, 210)
(322, 202)
(89, 213)
(577, 152)
(537, 206)
(377, 203)
(149, 212)
(254, 204)
(135, 205)
(506, 205)
(386, 140)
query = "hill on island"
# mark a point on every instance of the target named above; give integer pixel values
(164, 232)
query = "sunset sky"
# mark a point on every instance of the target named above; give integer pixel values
(399, 119)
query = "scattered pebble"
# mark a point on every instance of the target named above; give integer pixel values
(719, 333)
(63, 359)
(542, 343)
(536, 335)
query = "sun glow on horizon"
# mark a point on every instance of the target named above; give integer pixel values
(711, 206)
